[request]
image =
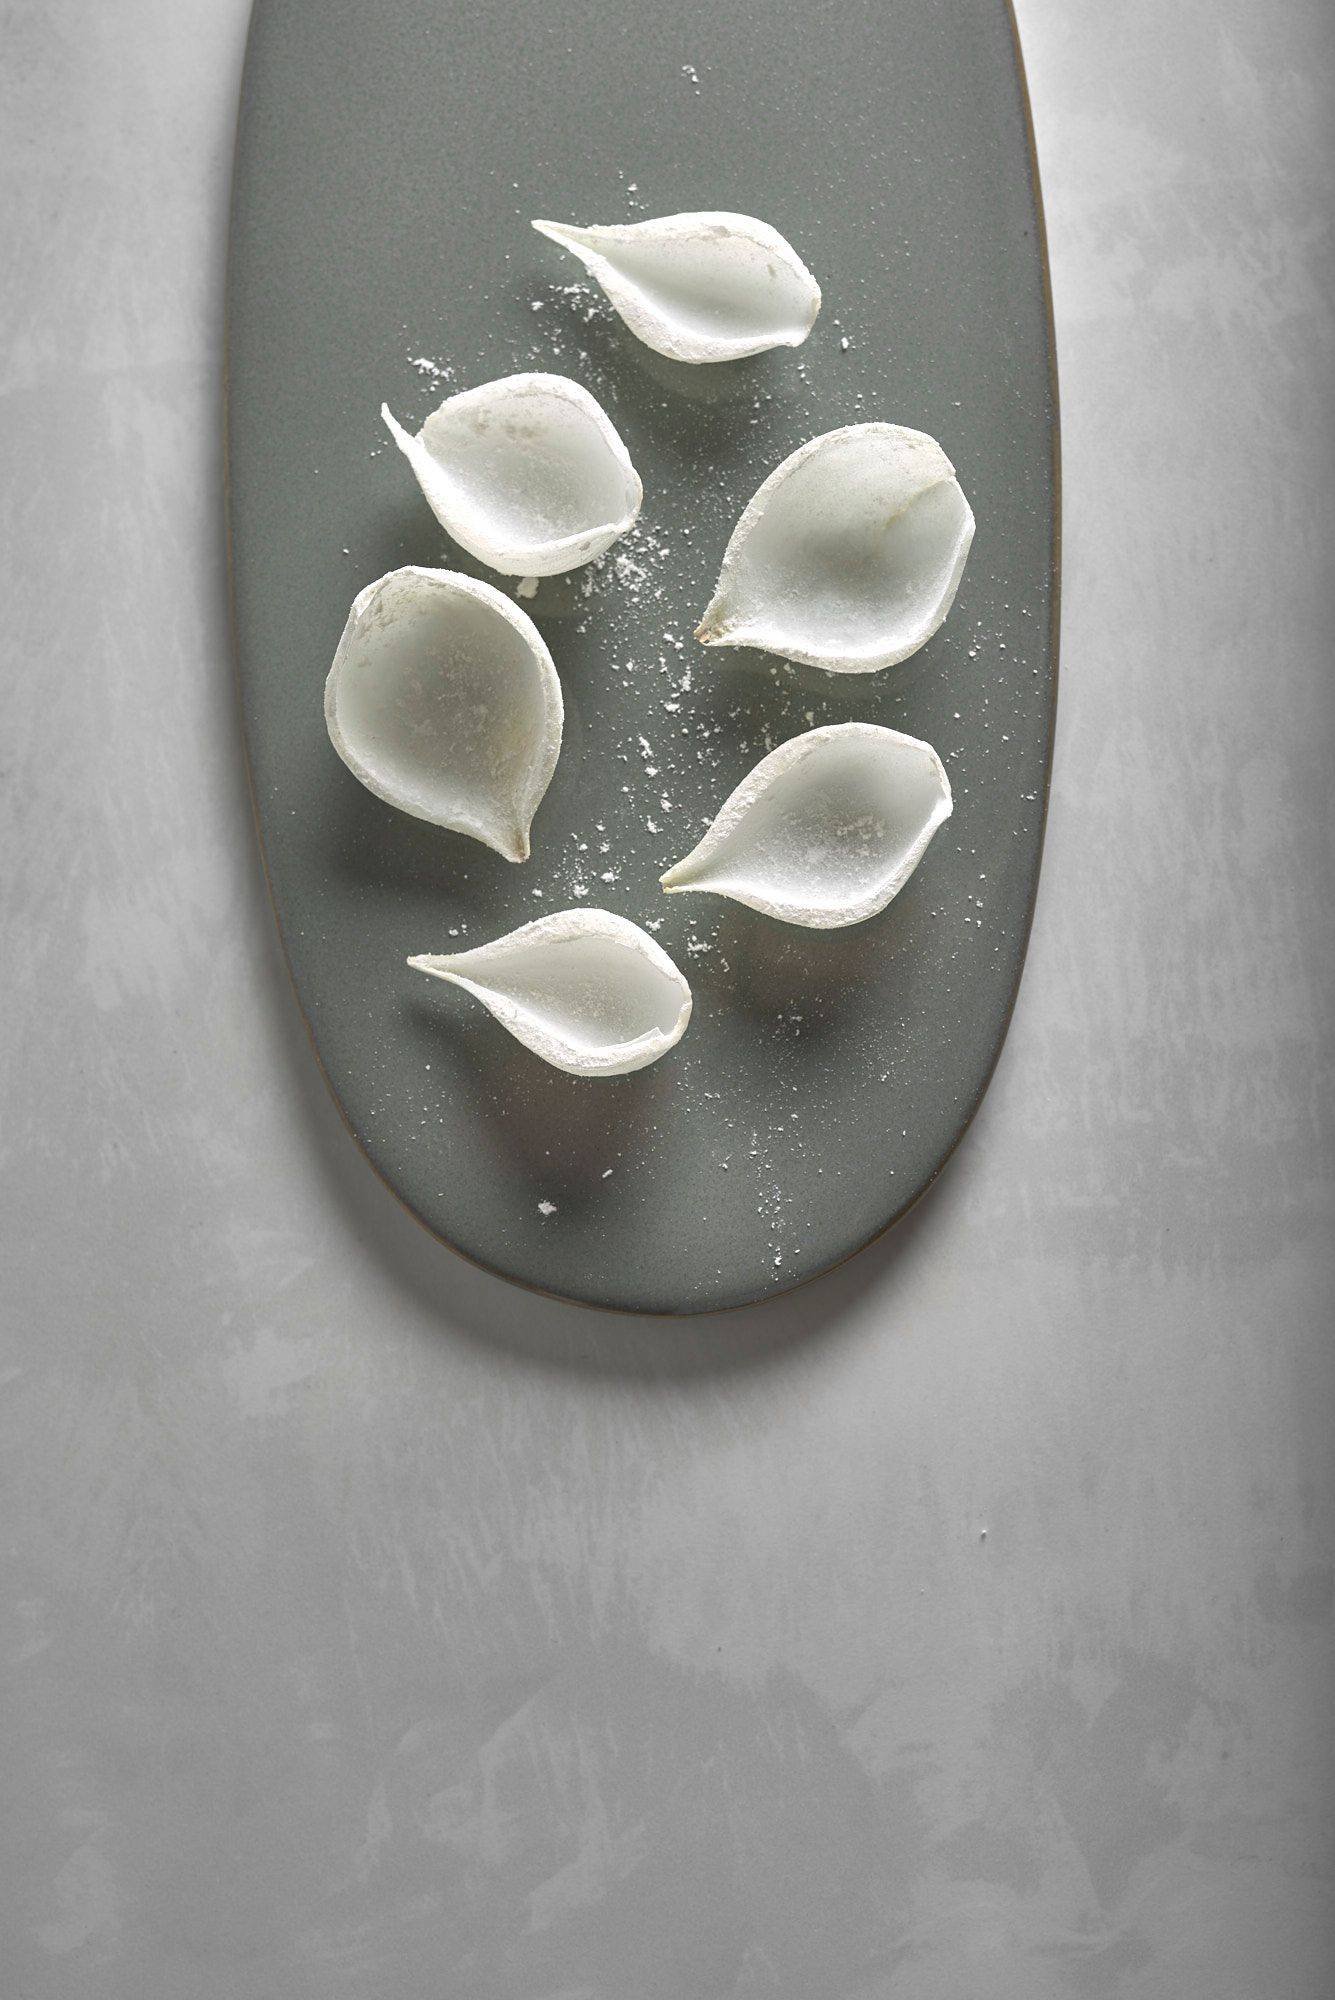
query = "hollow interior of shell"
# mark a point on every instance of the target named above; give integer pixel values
(593, 993)
(830, 836)
(837, 567)
(440, 700)
(714, 284)
(537, 471)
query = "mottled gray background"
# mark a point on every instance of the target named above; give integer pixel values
(957, 1629)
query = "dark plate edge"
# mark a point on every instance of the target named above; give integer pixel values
(1054, 642)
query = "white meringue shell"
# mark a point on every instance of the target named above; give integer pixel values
(826, 830)
(527, 473)
(699, 287)
(443, 700)
(588, 991)
(849, 555)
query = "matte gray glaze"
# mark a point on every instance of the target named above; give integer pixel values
(386, 173)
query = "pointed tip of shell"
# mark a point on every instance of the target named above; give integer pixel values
(558, 232)
(401, 437)
(508, 839)
(713, 629)
(679, 879)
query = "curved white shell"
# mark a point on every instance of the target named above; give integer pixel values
(528, 473)
(826, 829)
(444, 701)
(588, 991)
(848, 556)
(710, 287)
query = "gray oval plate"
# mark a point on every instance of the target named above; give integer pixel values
(388, 161)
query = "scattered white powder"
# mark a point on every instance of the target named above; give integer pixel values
(625, 603)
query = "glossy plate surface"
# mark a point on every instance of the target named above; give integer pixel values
(389, 159)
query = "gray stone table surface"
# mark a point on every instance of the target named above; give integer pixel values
(959, 1626)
